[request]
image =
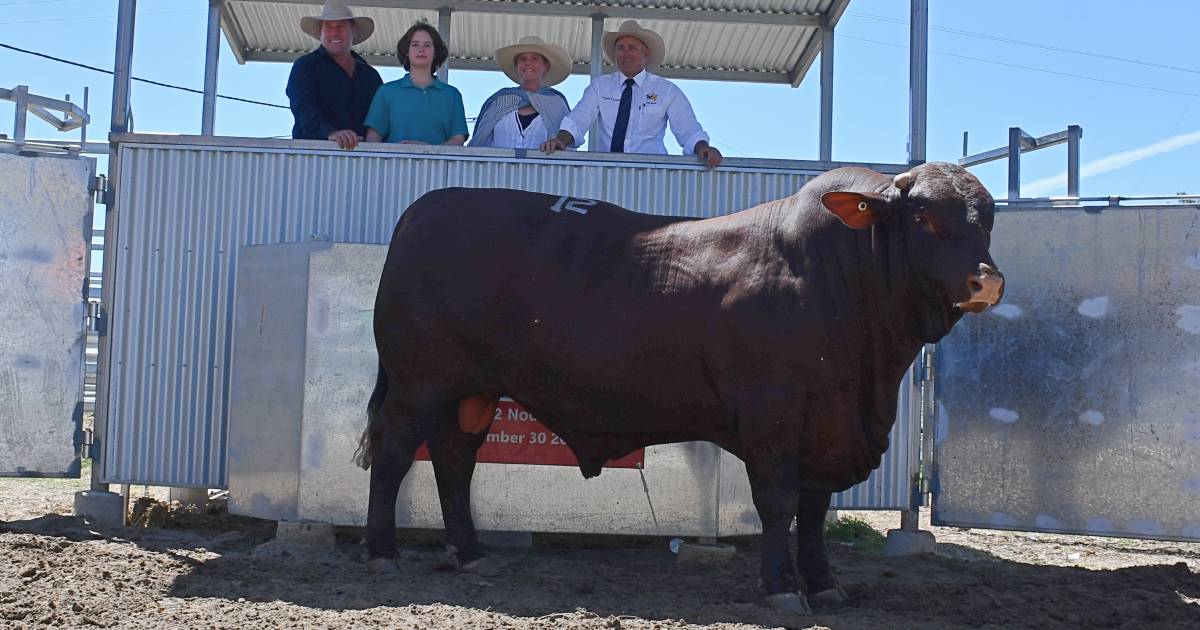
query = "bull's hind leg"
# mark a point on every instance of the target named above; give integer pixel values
(394, 441)
(811, 560)
(453, 454)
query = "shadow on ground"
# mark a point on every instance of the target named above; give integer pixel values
(616, 577)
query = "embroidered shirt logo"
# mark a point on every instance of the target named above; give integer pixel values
(652, 98)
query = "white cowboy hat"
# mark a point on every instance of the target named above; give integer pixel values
(656, 49)
(560, 61)
(333, 10)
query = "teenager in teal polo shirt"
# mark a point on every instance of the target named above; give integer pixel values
(418, 109)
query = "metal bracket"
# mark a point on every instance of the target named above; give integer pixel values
(86, 443)
(99, 189)
(97, 319)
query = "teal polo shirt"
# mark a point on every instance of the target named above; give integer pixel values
(403, 111)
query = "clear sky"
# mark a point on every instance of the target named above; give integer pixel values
(1127, 72)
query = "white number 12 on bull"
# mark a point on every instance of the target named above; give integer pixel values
(574, 205)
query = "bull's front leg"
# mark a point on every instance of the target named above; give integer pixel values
(776, 498)
(811, 560)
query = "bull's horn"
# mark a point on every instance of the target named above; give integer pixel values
(904, 180)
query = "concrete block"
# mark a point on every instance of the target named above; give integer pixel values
(704, 553)
(305, 533)
(909, 542)
(103, 508)
(190, 496)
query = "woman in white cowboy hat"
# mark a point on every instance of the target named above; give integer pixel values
(331, 87)
(633, 105)
(523, 117)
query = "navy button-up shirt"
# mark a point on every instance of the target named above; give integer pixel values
(325, 99)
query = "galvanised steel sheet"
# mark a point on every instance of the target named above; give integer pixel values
(771, 41)
(186, 205)
(1072, 406)
(45, 208)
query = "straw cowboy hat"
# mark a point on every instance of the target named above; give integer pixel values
(656, 49)
(560, 61)
(363, 26)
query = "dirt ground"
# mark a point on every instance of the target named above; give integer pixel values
(206, 569)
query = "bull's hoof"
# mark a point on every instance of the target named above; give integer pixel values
(791, 603)
(381, 566)
(483, 567)
(835, 595)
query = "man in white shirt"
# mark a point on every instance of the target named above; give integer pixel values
(634, 106)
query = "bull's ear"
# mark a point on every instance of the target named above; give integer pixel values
(857, 210)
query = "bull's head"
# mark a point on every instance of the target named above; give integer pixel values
(944, 215)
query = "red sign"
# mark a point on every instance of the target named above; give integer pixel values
(516, 437)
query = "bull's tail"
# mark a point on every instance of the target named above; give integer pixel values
(365, 453)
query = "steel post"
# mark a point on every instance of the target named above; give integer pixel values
(444, 30)
(120, 122)
(83, 127)
(596, 68)
(20, 116)
(212, 51)
(1014, 162)
(123, 66)
(1074, 134)
(918, 79)
(826, 131)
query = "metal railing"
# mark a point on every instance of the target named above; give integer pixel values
(1096, 204)
(1020, 142)
(73, 117)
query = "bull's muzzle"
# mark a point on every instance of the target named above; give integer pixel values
(987, 287)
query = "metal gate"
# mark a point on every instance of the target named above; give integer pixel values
(45, 212)
(1074, 406)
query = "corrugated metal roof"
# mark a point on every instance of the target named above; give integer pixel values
(768, 41)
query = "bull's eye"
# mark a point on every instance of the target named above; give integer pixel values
(919, 219)
(862, 206)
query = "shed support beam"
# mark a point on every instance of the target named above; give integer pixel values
(122, 66)
(597, 68)
(444, 31)
(826, 132)
(918, 80)
(212, 52)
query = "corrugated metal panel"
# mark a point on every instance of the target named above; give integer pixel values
(186, 205)
(762, 48)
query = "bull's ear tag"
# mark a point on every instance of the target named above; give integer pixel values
(856, 210)
(573, 204)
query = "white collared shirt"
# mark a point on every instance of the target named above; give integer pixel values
(656, 103)
(508, 133)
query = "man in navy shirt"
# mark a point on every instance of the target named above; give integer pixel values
(330, 88)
